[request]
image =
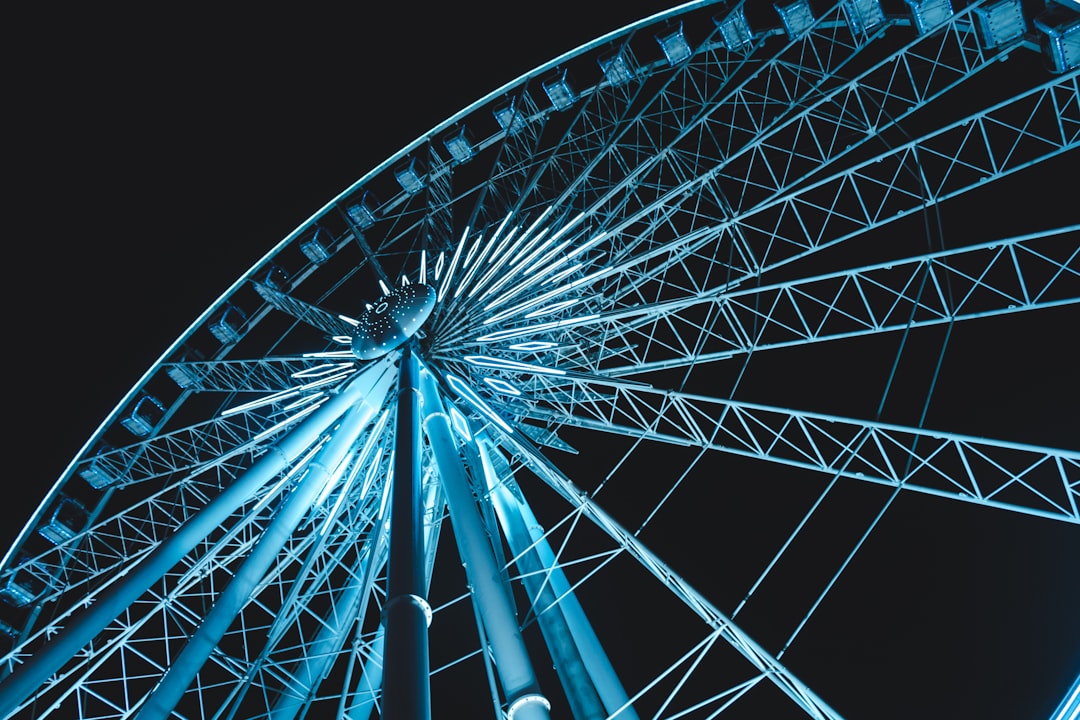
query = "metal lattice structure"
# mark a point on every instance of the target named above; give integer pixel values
(704, 379)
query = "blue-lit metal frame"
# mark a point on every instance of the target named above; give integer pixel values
(632, 254)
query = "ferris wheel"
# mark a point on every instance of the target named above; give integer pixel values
(716, 368)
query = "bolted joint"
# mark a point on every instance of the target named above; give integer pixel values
(414, 600)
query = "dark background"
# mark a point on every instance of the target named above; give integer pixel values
(153, 155)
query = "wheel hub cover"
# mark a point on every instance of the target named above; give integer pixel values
(391, 320)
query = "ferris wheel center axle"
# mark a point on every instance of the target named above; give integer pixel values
(391, 320)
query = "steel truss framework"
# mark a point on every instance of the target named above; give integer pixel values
(701, 287)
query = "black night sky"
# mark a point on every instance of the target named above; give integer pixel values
(154, 154)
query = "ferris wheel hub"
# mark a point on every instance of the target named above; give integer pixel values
(391, 320)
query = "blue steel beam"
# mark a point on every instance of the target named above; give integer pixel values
(406, 688)
(1069, 709)
(566, 629)
(362, 701)
(24, 681)
(993, 278)
(722, 625)
(1042, 481)
(495, 606)
(348, 605)
(320, 471)
(322, 652)
(581, 694)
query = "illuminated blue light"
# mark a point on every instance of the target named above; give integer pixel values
(540, 327)
(565, 257)
(568, 226)
(453, 265)
(439, 265)
(604, 271)
(306, 401)
(344, 370)
(261, 402)
(562, 274)
(521, 307)
(383, 287)
(487, 361)
(534, 346)
(460, 424)
(386, 491)
(321, 370)
(331, 353)
(479, 258)
(514, 265)
(501, 386)
(466, 393)
(503, 242)
(1069, 709)
(524, 242)
(367, 452)
(526, 258)
(472, 252)
(372, 474)
(544, 297)
(536, 223)
(501, 256)
(552, 309)
(498, 257)
(423, 267)
(559, 233)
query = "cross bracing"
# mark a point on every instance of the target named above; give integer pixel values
(979, 281)
(1041, 481)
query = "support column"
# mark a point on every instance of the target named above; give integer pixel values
(406, 686)
(28, 677)
(581, 660)
(584, 701)
(347, 608)
(523, 696)
(320, 471)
